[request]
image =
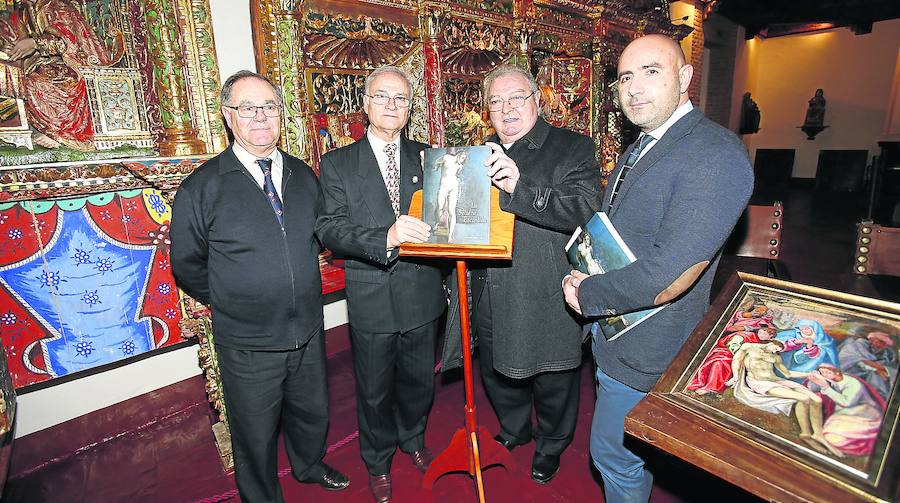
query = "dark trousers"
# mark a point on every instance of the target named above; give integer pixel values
(554, 395)
(263, 388)
(394, 391)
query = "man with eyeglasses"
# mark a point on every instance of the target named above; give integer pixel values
(243, 242)
(529, 343)
(394, 303)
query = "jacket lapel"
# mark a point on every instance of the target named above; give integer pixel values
(372, 187)
(607, 194)
(660, 150)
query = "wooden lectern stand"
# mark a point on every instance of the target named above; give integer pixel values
(472, 447)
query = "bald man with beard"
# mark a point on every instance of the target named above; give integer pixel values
(674, 196)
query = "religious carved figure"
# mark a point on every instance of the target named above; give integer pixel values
(815, 113)
(46, 40)
(749, 115)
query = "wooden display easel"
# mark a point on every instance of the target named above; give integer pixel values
(472, 447)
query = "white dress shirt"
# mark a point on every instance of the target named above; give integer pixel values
(249, 162)
(658, 133)
(378, 147)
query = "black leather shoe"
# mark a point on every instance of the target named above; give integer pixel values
(380, 485)
(544, 467)
(330, 480)
(509, 444)
(422, 459)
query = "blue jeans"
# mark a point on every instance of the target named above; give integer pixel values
(624, 478)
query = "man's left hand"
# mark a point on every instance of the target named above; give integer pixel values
(503, 171)
(570, 289)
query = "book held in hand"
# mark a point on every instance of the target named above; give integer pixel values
(599, 248)
(456, 195)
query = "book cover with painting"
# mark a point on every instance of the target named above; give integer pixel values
(599, 248)
(456, 195)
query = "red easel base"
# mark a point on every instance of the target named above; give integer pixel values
(457, 458)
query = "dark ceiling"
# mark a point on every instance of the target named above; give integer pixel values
(779, 17)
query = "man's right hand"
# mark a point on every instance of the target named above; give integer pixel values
(407, 229)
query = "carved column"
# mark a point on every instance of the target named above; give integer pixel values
(598, 72)
(434, 93)
(524, 13)
(166, 55)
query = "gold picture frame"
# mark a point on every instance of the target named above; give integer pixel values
(722, 426)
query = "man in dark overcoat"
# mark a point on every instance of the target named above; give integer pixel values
(529, 342)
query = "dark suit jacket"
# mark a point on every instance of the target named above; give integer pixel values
(674, 209)
(384, 293)
(228, 251)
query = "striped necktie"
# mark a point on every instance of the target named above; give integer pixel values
(632, 159)
(269, 189)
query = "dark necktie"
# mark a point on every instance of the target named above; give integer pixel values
(632, 159)
(269, 188)
(392, 177)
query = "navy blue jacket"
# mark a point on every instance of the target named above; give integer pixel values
(675, 209)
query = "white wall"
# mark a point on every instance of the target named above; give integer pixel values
(234, 39)
(783, 73)
(54, 405)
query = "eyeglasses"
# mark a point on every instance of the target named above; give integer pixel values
(383, 99)
(495, 103)
(250, 111)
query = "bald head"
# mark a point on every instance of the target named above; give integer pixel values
(653, 80)
(659, 44)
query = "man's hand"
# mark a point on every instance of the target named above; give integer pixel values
(570, 289)
(503, 171)
(407, 229)
(22, 49)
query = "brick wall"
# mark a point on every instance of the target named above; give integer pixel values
(696, 56)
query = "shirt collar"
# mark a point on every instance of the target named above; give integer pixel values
(249, 160)
(679, 112)
(377, 143)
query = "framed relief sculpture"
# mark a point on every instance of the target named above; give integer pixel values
(786, 390)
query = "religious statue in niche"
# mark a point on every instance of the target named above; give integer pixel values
(749, 116)
(47, 40)
(815, 116)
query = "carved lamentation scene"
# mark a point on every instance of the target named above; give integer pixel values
(105, 78)
(336, 92)
(463, 95)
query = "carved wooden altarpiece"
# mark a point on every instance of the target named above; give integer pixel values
(320, 51)
(85, 277)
